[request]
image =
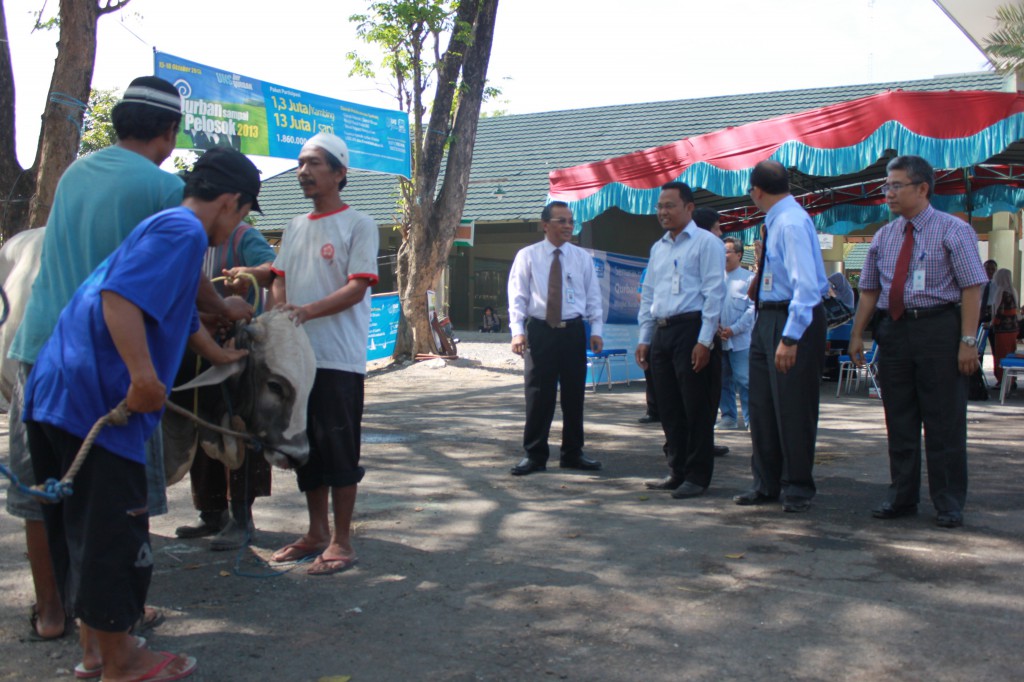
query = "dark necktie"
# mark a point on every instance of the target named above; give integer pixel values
(554, 312)
(899, 276)
(754, 290)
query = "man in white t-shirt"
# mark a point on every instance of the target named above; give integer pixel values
(325, 268)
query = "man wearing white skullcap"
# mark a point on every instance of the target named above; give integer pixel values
(325, 268)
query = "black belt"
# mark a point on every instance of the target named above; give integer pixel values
(921, 313)
(773, 305)
(563, 324)
(681, 317)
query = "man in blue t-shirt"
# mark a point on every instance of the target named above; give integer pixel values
(121, 337)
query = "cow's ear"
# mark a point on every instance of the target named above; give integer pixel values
(214, 375)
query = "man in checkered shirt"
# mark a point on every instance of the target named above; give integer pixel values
(923, 276)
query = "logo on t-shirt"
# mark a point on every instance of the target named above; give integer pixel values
(327, 251)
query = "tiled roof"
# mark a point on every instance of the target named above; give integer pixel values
(517, 152)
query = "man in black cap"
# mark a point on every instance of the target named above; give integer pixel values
(100, 198)
(132, 316)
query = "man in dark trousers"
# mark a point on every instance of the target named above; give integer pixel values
(924, 276)
(678, 320)
(787, 351)
(552, 290)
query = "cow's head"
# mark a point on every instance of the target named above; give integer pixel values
(268, 391)
(274, 387)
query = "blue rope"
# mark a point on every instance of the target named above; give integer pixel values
(69, 101)
(52, 491)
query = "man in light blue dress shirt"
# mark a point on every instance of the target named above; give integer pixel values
(787, 351)
(734, 329)
(679, 313)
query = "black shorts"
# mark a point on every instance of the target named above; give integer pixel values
(99, 536)
(334, 426)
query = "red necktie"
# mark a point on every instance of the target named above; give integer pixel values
(899, 276)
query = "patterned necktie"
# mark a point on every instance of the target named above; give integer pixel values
(899, 276)
(554, 312)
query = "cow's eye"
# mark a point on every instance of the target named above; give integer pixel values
(276, 388)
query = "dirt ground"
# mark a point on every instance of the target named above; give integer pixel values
(468, 573)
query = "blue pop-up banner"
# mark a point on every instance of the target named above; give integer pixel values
(385, 312)
(221, 108)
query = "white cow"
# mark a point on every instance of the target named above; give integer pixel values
(268, 391)
(19, 265)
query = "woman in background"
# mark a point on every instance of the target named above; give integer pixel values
(1005, 309)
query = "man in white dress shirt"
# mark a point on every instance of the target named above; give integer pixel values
(552, 291)
(734, 330)
(678, 319)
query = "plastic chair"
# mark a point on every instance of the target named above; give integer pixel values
(1013, 367)
(853, 373)
(603, 361)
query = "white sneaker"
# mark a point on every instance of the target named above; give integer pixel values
(725, 423)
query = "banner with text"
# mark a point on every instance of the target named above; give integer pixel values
(385, 312)
(619, 276)
(221, 108)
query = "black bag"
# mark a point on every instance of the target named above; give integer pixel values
(976, 389)
(837, 313)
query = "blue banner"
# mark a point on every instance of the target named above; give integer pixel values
(385, 311)
(221, 108)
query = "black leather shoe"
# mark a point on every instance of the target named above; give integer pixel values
(688, 489)
(649, 419)
(721, 450)
(796, 505)
(582, 462)
(528, 466)
(951, 519)
(754, 497)
(888, 511)
(670, 482)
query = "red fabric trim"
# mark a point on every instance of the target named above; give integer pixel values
(278, 273)
(318, 216)
(840, 125)
(364, 275)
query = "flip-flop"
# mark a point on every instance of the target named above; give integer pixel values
(83, 673)
(159, 672)
(33, 630)
(150, 618)
(296, 551)
(330, 566)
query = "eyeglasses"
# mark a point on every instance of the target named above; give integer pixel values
(562, 221)
(897, 186)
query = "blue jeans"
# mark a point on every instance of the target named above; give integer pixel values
(735, 375)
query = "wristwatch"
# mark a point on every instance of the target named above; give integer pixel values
(789, 341)
(709, 345)
(969, 341)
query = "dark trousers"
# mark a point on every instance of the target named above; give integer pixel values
(554, 357)
(687, 400)
(213, 484)
(99, 536)
(652, 400)
(784, 407)
(921, 384)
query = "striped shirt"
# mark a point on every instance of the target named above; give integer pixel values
(945, 247)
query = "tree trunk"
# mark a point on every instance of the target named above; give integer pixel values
(68, 99)
(26, 194)
(434, 221)
(16, 184)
